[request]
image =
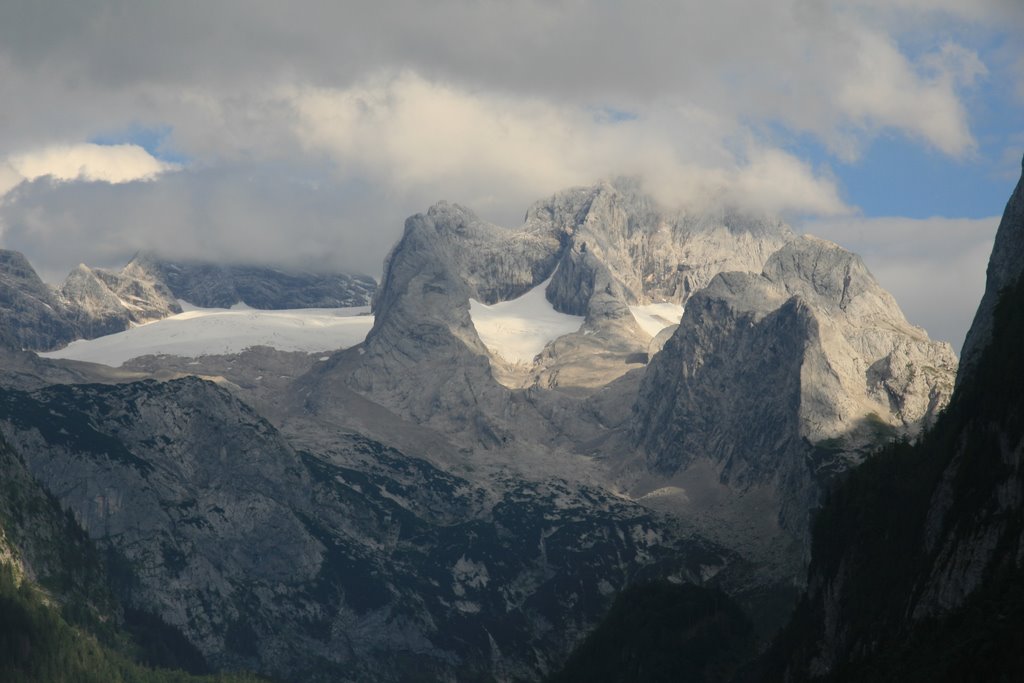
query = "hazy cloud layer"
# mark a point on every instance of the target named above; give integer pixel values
(307, 132)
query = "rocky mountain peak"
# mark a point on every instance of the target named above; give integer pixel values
(773, 381)
(30, 311)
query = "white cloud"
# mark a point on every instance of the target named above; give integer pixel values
(885, 90)
(491, 104)
(89, 162)
(436, 139)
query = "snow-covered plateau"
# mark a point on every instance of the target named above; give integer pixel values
(206, 331)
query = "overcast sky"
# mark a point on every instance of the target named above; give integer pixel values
(307, 132)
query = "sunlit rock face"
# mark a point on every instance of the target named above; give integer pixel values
(775, 380)
(31, 312)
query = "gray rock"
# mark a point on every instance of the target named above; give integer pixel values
(776, 380)
(360, 563)
(31, 314)
(102, 302)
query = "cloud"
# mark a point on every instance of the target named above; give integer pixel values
(885, 90)
(388, 107)
(86, 161)
(934, 267)
(839, 71)
(249, 214)
(498, 151)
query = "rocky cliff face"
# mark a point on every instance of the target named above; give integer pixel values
(100, 302)
(359, 563)
(31, 314)
(1004, 268)
(773, 381)
(90, 303)
(919, 554)
(603, 248)
(816, 327)
(625, 246)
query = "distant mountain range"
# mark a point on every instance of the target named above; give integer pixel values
(93, 302)
(527, 429)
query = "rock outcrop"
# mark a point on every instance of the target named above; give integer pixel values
(101, 302)
(31, 314)
(774, 381)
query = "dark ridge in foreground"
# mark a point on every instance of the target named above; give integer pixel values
(664, 632)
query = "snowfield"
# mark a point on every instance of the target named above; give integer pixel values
(516, 330)
(653, 318)
(519, 329)
(208, 331)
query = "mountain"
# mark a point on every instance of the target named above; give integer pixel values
(598, 251)
(31, 314)
(919, 553)
(101, 302)
(94, 302)
(59, 618)
(774, 381)
(354, 564)
(437, 502)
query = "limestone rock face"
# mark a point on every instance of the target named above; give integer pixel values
(101, 302)
(31, 314)
(604, 248)
(920, 550)
(776, 380)
(834, 345)
(634, 252)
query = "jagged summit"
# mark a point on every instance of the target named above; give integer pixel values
(605, 248)
(31, 313)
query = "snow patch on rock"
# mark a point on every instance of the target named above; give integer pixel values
(519, 329)
(653, 318)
